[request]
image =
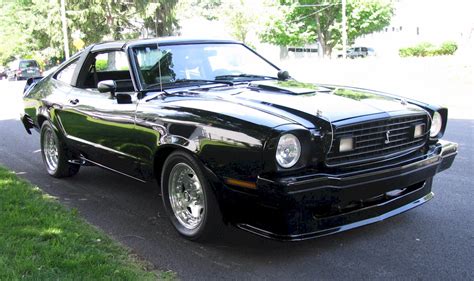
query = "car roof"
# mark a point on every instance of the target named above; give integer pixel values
(120, 45)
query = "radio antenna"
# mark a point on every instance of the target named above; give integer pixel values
(159, 68)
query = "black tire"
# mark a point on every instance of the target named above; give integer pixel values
(211, 219)
(62, 168)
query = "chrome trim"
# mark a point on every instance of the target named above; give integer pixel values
(110, 169)
(99, 146)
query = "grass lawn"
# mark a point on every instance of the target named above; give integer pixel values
(42, 240)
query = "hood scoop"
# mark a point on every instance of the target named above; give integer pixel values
(290, 87)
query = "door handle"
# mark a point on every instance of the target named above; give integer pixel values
(74, 101)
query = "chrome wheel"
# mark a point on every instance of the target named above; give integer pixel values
(186, 196)
(50, 150)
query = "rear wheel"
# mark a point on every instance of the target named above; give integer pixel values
(188, 197)
(55, 154)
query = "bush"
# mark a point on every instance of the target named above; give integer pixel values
(448, 48)
(101, 65)
(427, 49)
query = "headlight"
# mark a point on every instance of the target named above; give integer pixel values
(436, 124)
(288, 151)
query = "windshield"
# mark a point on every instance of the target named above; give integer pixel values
(172, 65)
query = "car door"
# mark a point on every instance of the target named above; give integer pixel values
(102, 128)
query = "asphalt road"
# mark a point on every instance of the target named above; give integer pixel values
(434, 241)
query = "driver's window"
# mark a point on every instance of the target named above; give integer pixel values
(112, 65)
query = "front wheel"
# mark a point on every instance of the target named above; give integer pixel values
(55, 153)
(188, 198)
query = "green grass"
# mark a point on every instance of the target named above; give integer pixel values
(42, 240)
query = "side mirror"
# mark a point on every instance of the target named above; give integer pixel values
(30, 82)
(107, 86)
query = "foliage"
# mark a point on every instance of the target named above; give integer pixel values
(42, 240)
(355, 95)
(427, 49)
(295, 23)
(34, 26)
(101, 65)
(296, 84)
(239, 18)
(448, 48)
(159, 16)
(208, 9)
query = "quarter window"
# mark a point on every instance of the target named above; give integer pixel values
(65, 75)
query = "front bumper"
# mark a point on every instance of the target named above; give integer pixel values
(309, 206)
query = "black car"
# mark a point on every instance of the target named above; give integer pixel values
(232, 138)
(24, 69)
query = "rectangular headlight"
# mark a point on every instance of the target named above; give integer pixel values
(419, 130)
(346, 144)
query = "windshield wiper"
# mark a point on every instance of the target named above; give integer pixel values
(185, 81)
(203, 80)
(243, 75)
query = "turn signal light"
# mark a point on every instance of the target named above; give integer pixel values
(346, 144)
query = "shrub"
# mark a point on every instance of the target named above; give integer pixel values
(101, 65)
(427, 49)
(448, 48)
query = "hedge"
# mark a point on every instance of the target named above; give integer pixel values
(427, 49)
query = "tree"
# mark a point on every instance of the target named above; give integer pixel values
(208, 9)
(239, 16)
(307, 21)
(31, 28)
(159, 16)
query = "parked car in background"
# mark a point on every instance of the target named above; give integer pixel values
(231, 138)
(359, 52)
(23, 69)
(3, 73)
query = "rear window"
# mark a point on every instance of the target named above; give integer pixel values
(28, 63)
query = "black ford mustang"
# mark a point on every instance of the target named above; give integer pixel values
(232, 138)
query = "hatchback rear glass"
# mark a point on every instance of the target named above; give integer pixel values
(28, 63)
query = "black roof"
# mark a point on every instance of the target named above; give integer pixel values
(120, 45)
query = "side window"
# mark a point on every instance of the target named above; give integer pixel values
(107, 65)
(111, 61)
(65, 75)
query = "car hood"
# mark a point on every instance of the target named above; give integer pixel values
(296, 101)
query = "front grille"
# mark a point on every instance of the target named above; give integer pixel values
(370, 139)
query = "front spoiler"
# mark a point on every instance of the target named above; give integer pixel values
(292, 218)
(384, 211)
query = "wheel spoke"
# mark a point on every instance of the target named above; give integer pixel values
(50, 150)
(195, 209)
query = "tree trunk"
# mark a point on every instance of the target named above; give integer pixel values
(321, 38)
(283, 52)
(111, 64)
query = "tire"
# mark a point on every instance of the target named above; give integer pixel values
(55, 153)
(193, 211)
